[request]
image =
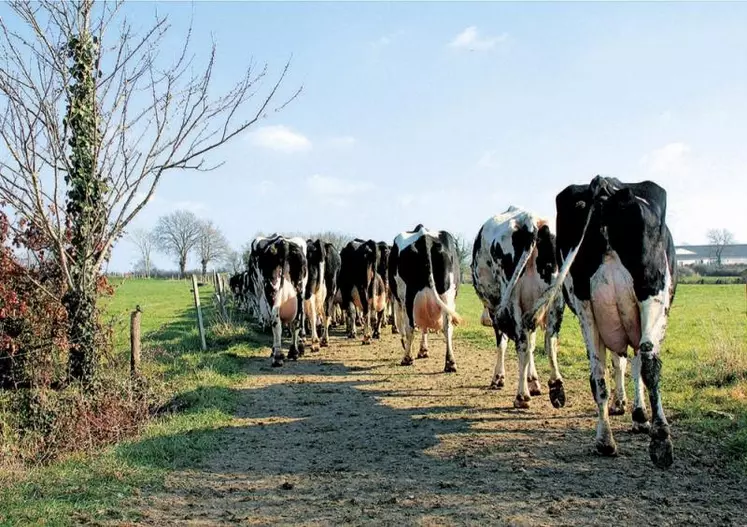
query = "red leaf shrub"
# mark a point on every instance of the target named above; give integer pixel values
(33, 332)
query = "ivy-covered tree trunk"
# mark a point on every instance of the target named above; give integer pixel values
(183, 266)
(85, 201)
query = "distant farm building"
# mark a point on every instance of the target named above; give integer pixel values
(706, 254)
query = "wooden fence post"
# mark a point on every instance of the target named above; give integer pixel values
(201, 328)
(135, 342)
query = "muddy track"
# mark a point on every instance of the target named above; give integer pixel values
(349, 436)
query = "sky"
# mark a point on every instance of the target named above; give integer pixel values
(447, 113)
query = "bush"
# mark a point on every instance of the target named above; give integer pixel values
(44, 424)
(33, 322)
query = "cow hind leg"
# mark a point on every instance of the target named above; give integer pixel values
(407, 338)
(555, 383)
(532, 375)
(297, 347)
(313, 318)
(277, 341)
(598, 362)
(640, 420)
(379, 318)
(597, 353)
(522, 393)
(450, 364)
(423, 351)
(620, 400)
(499, 373)
(653, 326)
(351, 321)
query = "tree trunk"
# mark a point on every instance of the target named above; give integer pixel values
(204, 267)
(182, 267)
(82, 327)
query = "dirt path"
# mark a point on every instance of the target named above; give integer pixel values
(351, 437)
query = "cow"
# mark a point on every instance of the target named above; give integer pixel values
(619, 278)
(316, 288)
(280, 264)
(382, 269)
(424, 279)
(357, 281)
(513, 264)
(237, 284)
(332, 266)
(253, 283)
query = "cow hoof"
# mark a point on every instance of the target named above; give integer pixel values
(395, 331)
(661, 452)
(450, 367)
(534, 387)
(324, 343)
(617, 407)
(350, 335)
(521, 401)
(407, 361)
(315, 347)
(498, 382)
(608, 449)
(640, 422)
(292, 355)
(376, 336)
(641, 428)
(301, 349)
(557, 393)
(423, 354)
(277, 360)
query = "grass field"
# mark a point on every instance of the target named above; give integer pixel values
(349, 436)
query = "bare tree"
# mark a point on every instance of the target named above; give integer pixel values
(719, 239)
(145, 241)
(212, 245)
(464, 252)
(91, 118)
(178, 234)
(338, 239)
(233, 261)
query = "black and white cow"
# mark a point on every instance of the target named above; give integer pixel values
(281, 264)
(382, 268)
(513, 264)
(357, 281)
(254, 283)
(619, 277)
(238, 285)
(316, 288)
(424, 279)
(332, 266)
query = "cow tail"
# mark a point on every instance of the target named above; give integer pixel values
(432, 284)
(532, 318)
(518, 271)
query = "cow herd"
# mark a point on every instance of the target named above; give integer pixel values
(610, 259)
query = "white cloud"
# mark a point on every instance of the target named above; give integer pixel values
(672, 158)
(470, 39)
(386, 40)
(488, 160)
(280, 138)
(332, 186)
(193, 206)
(343, 141)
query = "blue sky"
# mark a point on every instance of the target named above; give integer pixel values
(447, 113)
